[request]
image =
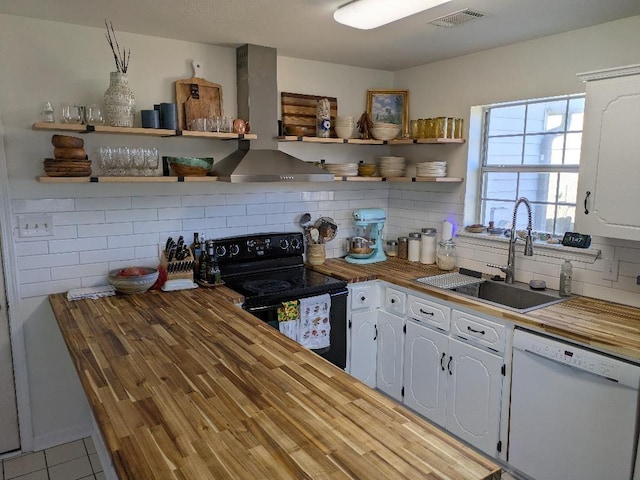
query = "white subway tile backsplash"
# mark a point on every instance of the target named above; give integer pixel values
(317, 196)
(31, 248)
(156, 201)
(110, 255)
(245, 198)
(335, 205)
(48, 288)
(147, 251)
(134, 215)
(203, 200)
(267, 208)
(225, 211)
(103, 203)
(201, 224)
(77, 245)
(48, 205)
(119, 241)
(103, 229)
(35, 276)
(180, 212)
(79, 271)
(283, 197)
(247, 220)
(51, 260)
(157, 226)
(301, 207)
(79, 218)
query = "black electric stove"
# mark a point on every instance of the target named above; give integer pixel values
(268, 269)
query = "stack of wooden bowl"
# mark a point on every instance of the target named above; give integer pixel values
(69, 158)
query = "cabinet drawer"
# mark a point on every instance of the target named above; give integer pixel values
(364, 296)
(481, 331)
(395, 301)
(430, 313)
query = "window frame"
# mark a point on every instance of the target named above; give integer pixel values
(521, 168)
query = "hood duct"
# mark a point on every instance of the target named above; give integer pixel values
(260, 160)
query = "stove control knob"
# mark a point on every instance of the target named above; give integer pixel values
(221, 251)
(250, 245)
(284, 244)
(295, 243)
(234, 249)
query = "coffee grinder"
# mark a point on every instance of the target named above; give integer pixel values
(367, 245)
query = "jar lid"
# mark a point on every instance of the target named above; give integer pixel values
(429, 231)
(403, 239)
(392, 242)
(414, 235)
(447, 243)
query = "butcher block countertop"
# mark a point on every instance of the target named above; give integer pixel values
(186, 385)
(606, 326)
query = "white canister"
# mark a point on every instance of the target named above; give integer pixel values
(414, 247)
(428, 246)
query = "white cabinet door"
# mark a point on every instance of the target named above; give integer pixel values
(474, 391)
(610, 156)
(390, 354)
(425, 379)
(363, 346)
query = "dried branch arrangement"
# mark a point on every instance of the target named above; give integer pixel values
(121, 56)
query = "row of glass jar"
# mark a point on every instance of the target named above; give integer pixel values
(421, 247)
(440, 127)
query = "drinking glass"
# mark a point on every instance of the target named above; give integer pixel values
(47, 114)
(151, 161)
(137, 160)
(94, 115)
(71, 113)
(105, 159)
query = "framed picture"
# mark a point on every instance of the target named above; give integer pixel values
(389, 106)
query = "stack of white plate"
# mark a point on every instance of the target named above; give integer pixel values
(431, 169)
(342, 169)
(392, 166)
(344, 126)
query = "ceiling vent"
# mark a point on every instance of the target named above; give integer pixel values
(456, 18)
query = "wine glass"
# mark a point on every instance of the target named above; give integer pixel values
(71, 114)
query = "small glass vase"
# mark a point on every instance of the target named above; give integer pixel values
(119, 102)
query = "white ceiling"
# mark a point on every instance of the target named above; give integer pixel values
(306, 29)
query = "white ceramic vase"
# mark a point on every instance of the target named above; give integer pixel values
(119, 102)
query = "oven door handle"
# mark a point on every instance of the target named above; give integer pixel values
(262, 308)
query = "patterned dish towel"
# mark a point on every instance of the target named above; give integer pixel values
(289, 319)
(314, 322)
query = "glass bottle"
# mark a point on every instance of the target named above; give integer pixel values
(428, 246)
(566, 271)
(392, 248)
(414, 247)
(446, 258)
(213, 270)
(203, 263)
(403, 248)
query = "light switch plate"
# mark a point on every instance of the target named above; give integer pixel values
(40, 225)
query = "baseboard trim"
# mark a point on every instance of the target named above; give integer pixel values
(48, 440)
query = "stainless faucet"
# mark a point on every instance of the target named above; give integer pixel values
(510, 268)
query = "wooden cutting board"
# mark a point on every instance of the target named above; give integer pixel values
(300, 110)
(197, 98)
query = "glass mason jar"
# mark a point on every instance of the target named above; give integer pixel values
(392, 248)
(446, 258)
(403, 248)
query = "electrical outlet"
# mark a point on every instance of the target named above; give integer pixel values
(610, 269)
(35, 225)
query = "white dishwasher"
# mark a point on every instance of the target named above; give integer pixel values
(574, 412)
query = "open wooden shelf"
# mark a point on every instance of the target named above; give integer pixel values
(357, 141)
(174, 179)
(150, 132)
(104, 179)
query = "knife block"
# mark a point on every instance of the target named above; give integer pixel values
(178, 269)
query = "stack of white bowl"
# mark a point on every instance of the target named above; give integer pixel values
(341, 169)
(344, 126)
(431, 169)
(392, 166)
(385, 131)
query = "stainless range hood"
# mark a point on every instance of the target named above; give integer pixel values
(260, 160)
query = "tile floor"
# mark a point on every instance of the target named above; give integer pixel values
(70, 461)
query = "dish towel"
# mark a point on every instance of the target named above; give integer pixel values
(289, 319)
(315, 326)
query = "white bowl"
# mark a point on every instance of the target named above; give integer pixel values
(385, 133)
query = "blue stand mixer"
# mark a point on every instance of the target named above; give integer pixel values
(366, 246)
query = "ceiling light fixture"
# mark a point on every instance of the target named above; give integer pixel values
(368, 14)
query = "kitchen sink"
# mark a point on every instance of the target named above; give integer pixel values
(517, 296)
